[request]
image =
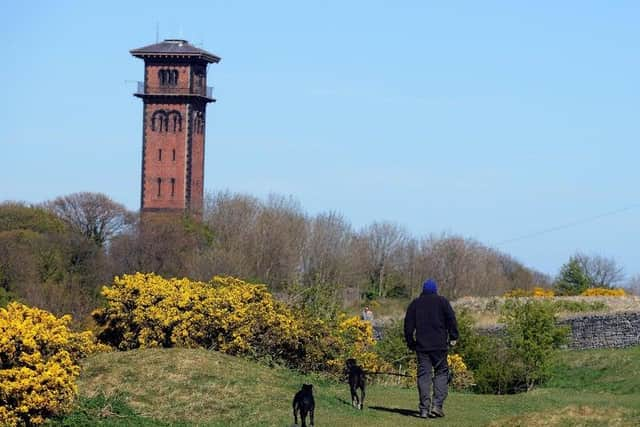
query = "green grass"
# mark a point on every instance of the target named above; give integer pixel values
(198, 387)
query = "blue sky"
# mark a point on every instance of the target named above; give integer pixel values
(488, 119)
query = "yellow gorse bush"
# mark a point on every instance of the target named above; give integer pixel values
(604, 292)
(536, 292)
(355, 340)
(462, 376)
(228, 315)
(39, 357)
(225, 314)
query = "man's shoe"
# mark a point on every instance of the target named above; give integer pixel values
(436, 412)
(424, 413)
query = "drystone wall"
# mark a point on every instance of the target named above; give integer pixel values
(612, 330)
(615, 330)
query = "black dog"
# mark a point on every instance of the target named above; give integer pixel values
(357, 380)
(304, 404)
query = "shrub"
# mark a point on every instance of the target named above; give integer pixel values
(462, 377)
(517, 358)
(531, 337)
(536, 292)
(225, 314)
(471, 345)
(393, 350)
(604, 292)
(231, 316)
(498, 371)
(39, 357)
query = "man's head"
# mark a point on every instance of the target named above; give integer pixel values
(430, 287)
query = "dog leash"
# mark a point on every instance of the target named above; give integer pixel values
(388, 373)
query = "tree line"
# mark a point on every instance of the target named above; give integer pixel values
(58, 254)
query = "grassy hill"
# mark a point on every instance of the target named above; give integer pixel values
(198, 387)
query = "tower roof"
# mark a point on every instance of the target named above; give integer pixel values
(174, 48)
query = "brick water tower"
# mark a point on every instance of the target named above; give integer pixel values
(174, 97)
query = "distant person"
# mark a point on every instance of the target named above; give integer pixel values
(432, 320)
(367, 314)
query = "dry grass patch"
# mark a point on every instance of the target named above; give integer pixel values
(570, 416)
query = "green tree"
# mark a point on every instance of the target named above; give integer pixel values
(572, 279)
(532, 335)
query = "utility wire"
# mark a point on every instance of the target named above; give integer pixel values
(568, 225)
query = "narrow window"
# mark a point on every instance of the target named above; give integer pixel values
(159, 185)
(173, 187)
(174, 154)
(160, 154)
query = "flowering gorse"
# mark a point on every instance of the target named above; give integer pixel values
(228, 315)
(604, 292)
(462, 376)
(536, 292)
(225, 314)
(39, 357)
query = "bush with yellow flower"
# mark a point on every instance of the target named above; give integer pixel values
(604, 292)
(228, 315)
(536, 292)
(39, 358)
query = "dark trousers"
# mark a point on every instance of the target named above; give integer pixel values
(432, 368)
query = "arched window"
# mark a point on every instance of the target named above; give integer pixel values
(175, 121)
(168, 77)
(159, 186)
(173, 187)
(160, 121)
(198, 122)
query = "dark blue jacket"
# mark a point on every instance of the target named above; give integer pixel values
(433, 321)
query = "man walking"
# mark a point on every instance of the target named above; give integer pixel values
(433, 321)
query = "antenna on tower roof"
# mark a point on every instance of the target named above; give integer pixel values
(157, 32)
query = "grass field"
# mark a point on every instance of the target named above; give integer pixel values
(197, 387)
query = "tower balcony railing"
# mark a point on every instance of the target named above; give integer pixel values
(206, 91)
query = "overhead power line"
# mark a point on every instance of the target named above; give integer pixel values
(568, 225)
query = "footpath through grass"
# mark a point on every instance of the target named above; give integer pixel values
(196, 387)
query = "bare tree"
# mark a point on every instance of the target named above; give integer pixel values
(279, 239)
(466, 267)
(601, 271)
(324, 254)
(93, 215)
(450, 263)
(633, 285)
(382, 243)
(232, 218)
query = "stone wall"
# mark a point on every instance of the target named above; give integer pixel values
(615, 330)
